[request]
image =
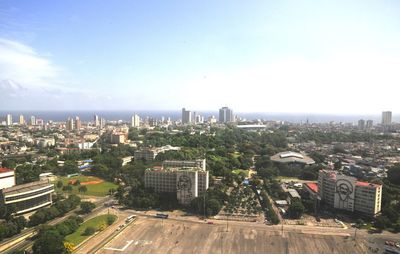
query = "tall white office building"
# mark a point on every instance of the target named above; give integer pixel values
(21, 120)
(9, 119)
(135, 121)
(33, 120)
(96, 120)
(386, 117)
(226, 115)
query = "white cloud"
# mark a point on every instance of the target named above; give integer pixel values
(29, 80)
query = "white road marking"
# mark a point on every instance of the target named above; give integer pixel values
(137, 242)
(123, 248)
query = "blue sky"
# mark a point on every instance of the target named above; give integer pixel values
(270, 56)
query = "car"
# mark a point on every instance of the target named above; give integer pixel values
(210, 222)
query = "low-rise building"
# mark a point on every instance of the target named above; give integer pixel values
(126, 160)
(7, 178)
(292, 158)
(150, 154)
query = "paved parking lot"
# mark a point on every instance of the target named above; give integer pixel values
(169, 236)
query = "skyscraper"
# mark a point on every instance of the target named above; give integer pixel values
(386, 117)
(361, 124)
(226, 115)
(96, 120)
(9, 120)
(102, 123)
(186, 116)
(21, 120)
(135, 122)
(70, 124)
(370, 123)
(78, 123)
(33, 120)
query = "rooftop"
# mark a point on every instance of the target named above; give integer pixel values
(366, 184)
(26, 187)
(312, 186)
(292, 157)
(5, 170)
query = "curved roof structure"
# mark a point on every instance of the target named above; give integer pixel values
(292, 157)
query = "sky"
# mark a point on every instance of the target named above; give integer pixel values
(333, 57)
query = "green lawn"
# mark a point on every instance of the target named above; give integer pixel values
(96, 222)
(287, 178)
(238, 171)
(99, 189)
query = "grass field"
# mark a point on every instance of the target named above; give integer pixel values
(98, 189)
(287, 178)
(238, 171)
(96, 222)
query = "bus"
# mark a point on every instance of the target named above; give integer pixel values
(130, 218)
(162, 216)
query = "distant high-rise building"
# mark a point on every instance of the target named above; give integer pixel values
(9, 119)
(78, 124)
(226, 115)
(102, 123)
(70, 124)
(361, 124)
(369, 124)
(96, 120)
(186, 116)
(21, 120)
(135, 122)
(386, 117)
(33, 120)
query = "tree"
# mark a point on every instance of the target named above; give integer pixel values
(89, 231)
(87, 207)
(82, 188)
(50, 242)
(296, 209)
(67, 188)
(393, 174)
(110, 219)
(60, 184)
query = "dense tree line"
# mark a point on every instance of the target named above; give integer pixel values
(50, 239)
(60, 208)
(268, 209)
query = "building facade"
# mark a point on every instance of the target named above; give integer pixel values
(28, 197)
(7, 178)
(187, 182)
(387, 117)
(135, 121)
(186, 116)
(226, 115)
(346, 193)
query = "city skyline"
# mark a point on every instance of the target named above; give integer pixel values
(271, 57)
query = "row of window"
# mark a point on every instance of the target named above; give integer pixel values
(22, 196)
